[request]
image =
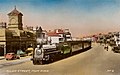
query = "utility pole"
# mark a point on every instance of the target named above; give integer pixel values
(4, 49)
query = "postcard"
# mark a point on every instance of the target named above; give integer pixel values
(59, 37)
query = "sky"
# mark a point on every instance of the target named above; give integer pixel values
(82, 17)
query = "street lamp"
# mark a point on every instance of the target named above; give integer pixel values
(4, 49)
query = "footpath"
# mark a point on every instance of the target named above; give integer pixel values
(2, 57)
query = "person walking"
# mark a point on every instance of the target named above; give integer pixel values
(106, 47)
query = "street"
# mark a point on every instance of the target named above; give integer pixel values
(96, 61)
(6, 63)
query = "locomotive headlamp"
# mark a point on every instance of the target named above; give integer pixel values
(39, 52)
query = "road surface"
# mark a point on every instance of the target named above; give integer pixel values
(96, 61)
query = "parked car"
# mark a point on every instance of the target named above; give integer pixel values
(29, 51)
(21, 53)
(11, 56)
(116, 49)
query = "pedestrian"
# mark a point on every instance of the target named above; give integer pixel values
(107, 48)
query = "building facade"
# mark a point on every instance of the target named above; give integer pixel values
(59, 35)
(14, 37)
(2, 38)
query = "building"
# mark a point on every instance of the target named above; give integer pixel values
(14, 36)
(2, 38)
(54, 37)
(59, 35)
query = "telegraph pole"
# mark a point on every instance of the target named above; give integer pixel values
(4, 49)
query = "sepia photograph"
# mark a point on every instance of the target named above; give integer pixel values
(59, 37)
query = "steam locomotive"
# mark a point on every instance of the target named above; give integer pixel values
(49, 52)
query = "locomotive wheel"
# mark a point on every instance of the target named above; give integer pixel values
(67, 55)
(34, 62)
(63, 56)
(70, 54)
(40, 62)
(51, 59)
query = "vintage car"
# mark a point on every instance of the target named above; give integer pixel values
(29, 51)
(21, 53)
(11, 56)
(116, 49)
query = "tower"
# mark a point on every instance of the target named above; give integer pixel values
(15, 19)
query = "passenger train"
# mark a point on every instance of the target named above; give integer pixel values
(49, 52)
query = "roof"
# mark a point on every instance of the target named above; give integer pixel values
(52, 34)
(15, 12)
